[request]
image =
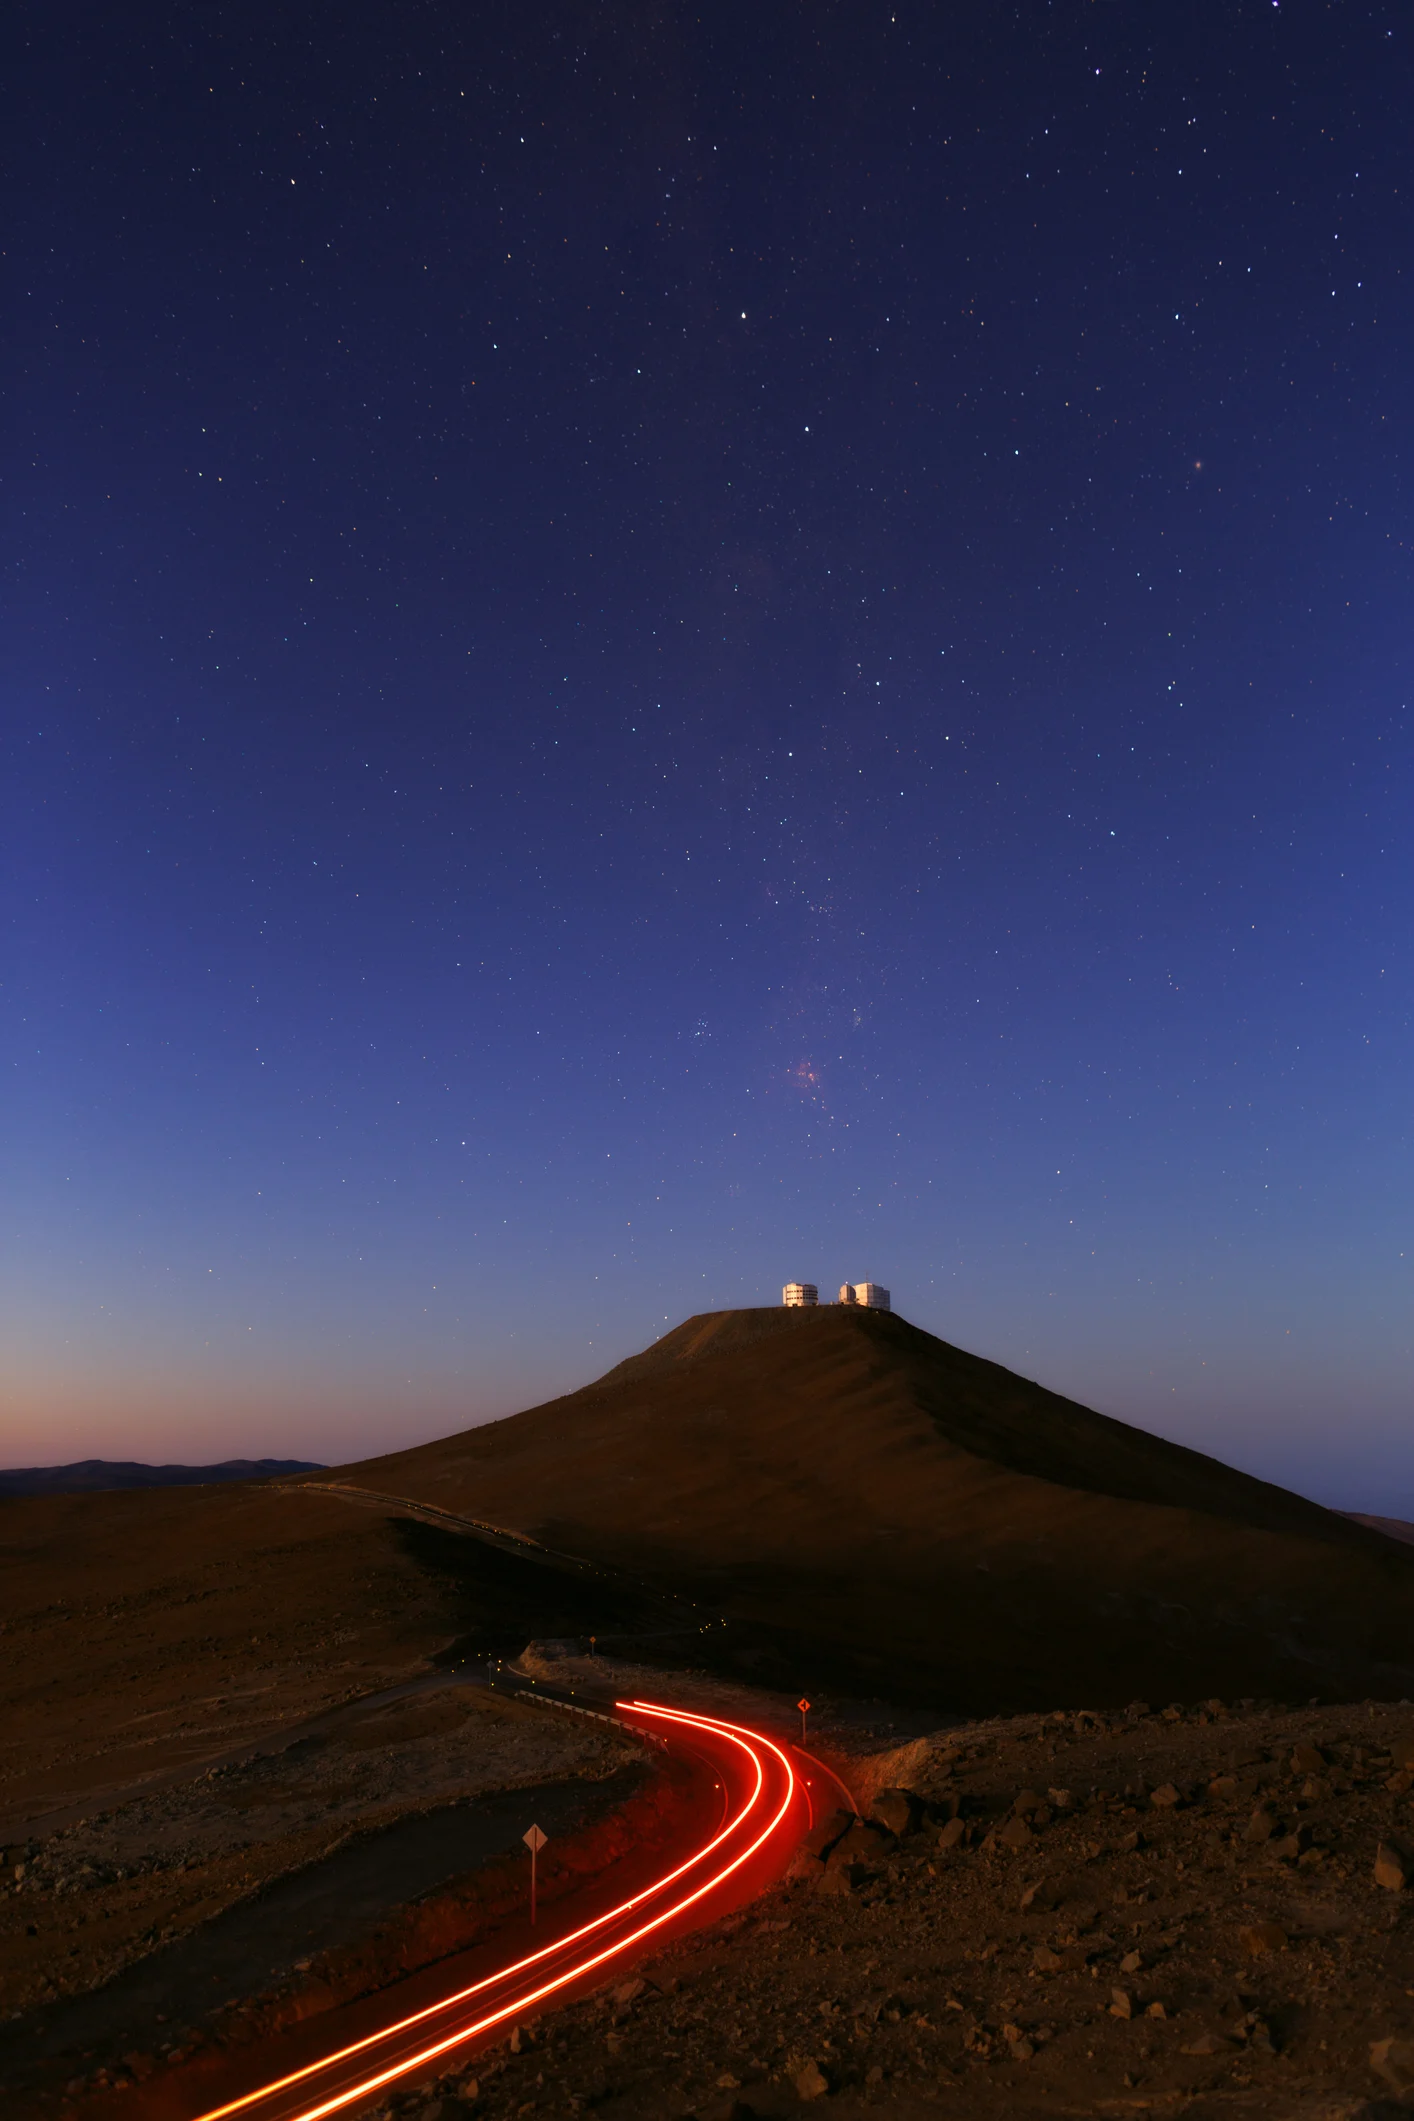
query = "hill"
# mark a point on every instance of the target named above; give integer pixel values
(876, 1508)
(94, 1475)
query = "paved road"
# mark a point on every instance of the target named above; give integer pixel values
(750, 1807)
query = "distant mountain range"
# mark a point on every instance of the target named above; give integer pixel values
(92, 1474)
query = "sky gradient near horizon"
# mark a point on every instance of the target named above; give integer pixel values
(644, 655)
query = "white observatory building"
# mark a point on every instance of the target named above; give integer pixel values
(799, 1294)
(867, 1293)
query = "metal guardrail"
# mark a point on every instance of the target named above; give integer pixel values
(524, 1691)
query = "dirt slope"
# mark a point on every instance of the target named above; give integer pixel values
(879, 1508)
(143, 1632)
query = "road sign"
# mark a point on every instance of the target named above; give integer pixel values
(534, 1840)
(802, 1705)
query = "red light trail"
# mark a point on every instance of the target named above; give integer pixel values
(762, 1797)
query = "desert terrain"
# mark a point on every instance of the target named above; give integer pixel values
(247, 1770)
(1193, 1911)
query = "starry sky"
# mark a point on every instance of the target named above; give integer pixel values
(648, 651)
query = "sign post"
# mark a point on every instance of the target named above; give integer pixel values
(534, 1841)
(803, 1705)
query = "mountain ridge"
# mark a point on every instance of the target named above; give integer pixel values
(885, 1507)
(100, 1475)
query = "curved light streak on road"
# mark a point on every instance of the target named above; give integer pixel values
(766, 1762)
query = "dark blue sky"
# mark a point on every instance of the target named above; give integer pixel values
(646, 653)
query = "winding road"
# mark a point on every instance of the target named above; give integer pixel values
(753, 1808)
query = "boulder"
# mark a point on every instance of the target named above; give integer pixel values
(1258, 1938)
(841, 1878)
(953, 1834)
(1391, 1868)
(897, 1811)
(863, 1841)
(803, 1865)
(1393, 2059)
(811, 2082)
(827, 1831)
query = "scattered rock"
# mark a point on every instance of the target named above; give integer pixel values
(1208, 2044)
(1014, 1835)
(1261, 1826)
(1131, 1963)
(1166, 1798)
(953, 1834)
(1121, 2003)
(628, 1992)
(1259, 1938)
(811, 2081)
(1391, 1870)
(1046, 1961)
(1044, 1893)
(1307, 1760)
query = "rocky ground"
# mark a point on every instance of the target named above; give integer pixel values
(1198, 1912)
(86, 1900)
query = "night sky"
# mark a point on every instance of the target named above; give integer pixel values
(647, 651)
